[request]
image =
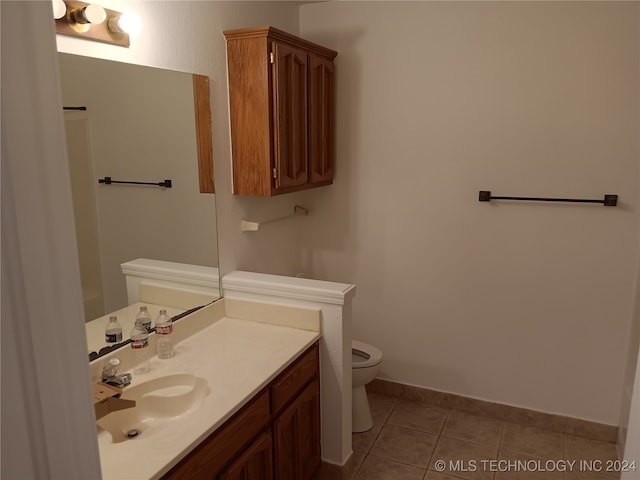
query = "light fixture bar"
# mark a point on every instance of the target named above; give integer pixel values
(98, 32)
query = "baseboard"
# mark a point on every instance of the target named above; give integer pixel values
(534, 418)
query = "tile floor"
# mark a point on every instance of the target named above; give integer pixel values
(412, 440)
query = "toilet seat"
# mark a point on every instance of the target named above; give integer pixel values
(364, 355)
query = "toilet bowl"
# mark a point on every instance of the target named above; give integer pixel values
(365, 365)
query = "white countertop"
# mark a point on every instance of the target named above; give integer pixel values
(237, 358)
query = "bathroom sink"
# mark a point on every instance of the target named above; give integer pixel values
(159, 402)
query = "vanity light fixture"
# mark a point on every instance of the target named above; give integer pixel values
(93, 22)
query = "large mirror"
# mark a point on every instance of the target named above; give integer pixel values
(138, 124)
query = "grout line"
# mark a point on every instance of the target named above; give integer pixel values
(376, 438)
(501, 440)
(444, 423)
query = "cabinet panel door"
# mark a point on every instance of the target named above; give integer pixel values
(297, 436)
(290, 115)
(321, 74)
(254, 464)
(208, 459)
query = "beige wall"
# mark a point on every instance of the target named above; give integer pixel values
(523, 304)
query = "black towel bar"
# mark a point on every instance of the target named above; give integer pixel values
(108, 181)
(608, 201)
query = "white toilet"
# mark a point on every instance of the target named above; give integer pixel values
(365, 365)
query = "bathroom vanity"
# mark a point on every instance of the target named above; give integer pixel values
(240, 399)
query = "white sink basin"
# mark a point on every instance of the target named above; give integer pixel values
(159, 402)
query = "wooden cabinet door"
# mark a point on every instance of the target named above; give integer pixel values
(210, 457)
(297, 436)
(321, 146)
(256, 463)
(290, 115)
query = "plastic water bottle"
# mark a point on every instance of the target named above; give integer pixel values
(139, 343)
(164, 330)
(145, 318)
(113, 330)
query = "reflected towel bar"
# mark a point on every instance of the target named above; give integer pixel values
(608, 201)
(108, 181)
(75, 108)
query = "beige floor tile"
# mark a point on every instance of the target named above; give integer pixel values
(376, 468)
(594, 457)
(578, 448)
(419, 416)
(408, 437)
(462, 459)
(519, 466)
(473, 428)
(588, 475)
(543, 444)
(431, 475)
(362, 442)
(595, 469)
(381, 406)
(404, 445)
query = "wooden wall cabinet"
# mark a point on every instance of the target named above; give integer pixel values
(281, 106)
(276, 436)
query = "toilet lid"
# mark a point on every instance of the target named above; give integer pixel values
(364, 355)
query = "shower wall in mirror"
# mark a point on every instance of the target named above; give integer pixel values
(139, 125)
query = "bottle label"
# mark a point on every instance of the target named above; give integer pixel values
(113, 337)
(165, 330)
(140, 343)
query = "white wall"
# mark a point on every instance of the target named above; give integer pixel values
(524, 304)
(187, 36)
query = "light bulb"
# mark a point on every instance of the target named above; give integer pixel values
(128, 22)
(90, 14)
(59, 9)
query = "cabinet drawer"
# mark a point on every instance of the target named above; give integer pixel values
(215, 452)
(294, 378)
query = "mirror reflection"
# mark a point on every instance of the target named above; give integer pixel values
(137, 244)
